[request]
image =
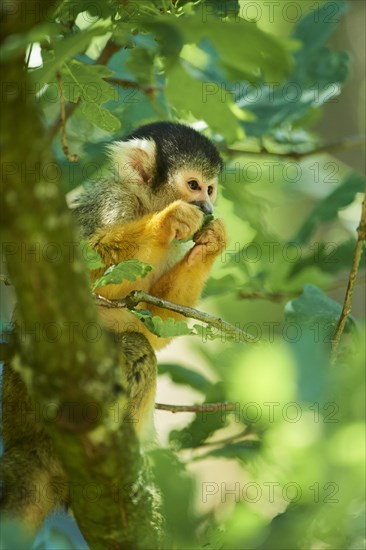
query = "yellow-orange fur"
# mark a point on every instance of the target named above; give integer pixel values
(150, 239)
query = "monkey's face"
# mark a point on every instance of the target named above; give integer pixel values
(192, 186)
(162, 162)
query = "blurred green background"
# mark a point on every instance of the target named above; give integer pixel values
(268, 82)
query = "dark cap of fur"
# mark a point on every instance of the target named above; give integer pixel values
(179, 146)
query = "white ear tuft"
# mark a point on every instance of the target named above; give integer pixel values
(133, 160)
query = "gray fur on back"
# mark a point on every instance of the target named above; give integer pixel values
(105, 203)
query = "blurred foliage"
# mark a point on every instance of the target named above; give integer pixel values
(296, 435)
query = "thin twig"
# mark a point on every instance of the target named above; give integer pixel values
(345, 143)
(280, 296)
(70, 157)
(248, 431)
(270, 296)
(361, 231)
(30, 49)
(137, 296)
(148, 89)
(204, 407)
(109, 49)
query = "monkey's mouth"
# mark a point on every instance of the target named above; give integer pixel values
(204, 206)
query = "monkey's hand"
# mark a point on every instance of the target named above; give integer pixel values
(179, 220)
(209, 243)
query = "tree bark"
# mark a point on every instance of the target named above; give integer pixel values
(70, 367)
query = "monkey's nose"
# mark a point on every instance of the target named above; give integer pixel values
(205, 206)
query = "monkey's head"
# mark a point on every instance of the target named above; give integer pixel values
(165, 161)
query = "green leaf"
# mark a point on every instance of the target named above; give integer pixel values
(187, 377)
(226, 334)
(315, 317)
(141, 64)
(256, 52)
(93, 259)
(207, 332)
(68, 9)
(178, 496)
(164, 328)
(327, 208)
(99, 116)
(317, 76)
(319, 24)
(218, 287)
(168, 36)
(86, 82)
(210, 108)
(229, 8)
(329, 257)
(129, 270)
(313, 310)
(244, 451)
(206, 220)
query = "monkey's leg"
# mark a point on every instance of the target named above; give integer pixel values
(183, 284)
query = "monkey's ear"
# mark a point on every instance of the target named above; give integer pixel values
(133, 160)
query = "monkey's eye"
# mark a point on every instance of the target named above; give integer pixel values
(209, 190)
(193, 184)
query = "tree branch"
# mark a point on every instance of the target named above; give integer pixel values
(65, 147)
(73, 368)
(137, 296)
(361, 231)
(345, 143)
(205, 407)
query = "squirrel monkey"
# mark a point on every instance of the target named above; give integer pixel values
(165, 178)
(165, 182)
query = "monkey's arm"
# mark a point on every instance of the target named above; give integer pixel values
(183, 284)
(147, 239)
